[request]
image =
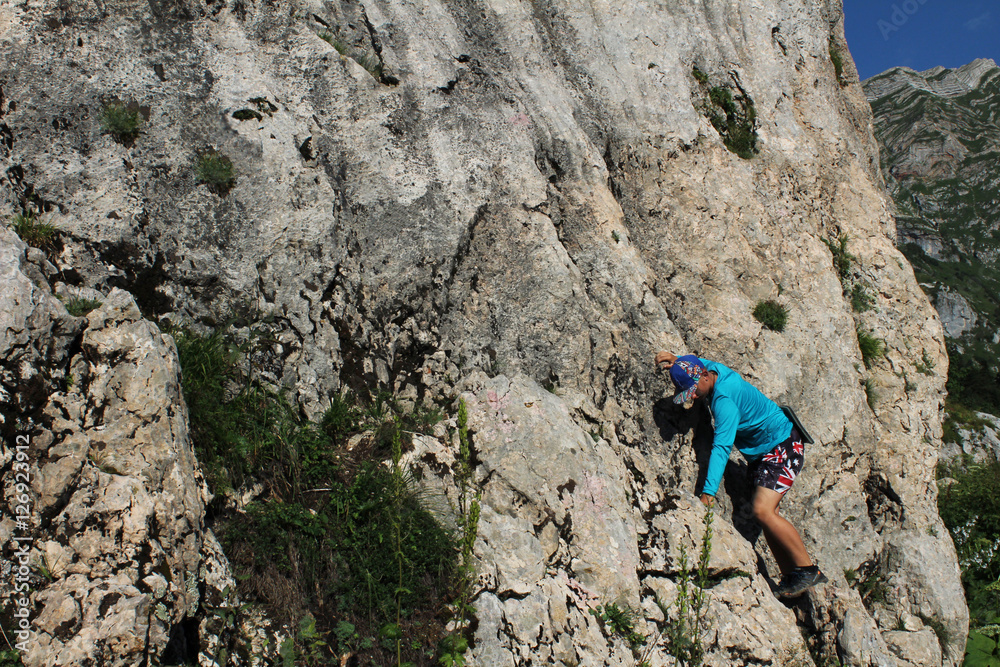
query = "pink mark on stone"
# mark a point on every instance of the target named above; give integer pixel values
(582, 593)
(496, 402)
(520, 120)
(595, 488)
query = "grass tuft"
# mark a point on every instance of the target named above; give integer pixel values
(842, 259)
(871, 393)
(33, 231)
(216, 171)
(79, 307)
(369, 60)
(122, 121)
(247, 114)
(872, 349)
(862, 299)
(771, 314)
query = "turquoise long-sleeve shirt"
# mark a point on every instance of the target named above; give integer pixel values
(744, 417)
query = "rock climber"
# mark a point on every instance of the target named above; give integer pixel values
(770, 443)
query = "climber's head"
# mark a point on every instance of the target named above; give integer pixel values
(688, 374)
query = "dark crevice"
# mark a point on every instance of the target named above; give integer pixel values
(383, 76)
(885, 507)
(503, 596)
(183, 645)
(462, 251)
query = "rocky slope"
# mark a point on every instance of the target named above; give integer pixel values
(940, 138)
(515, 202)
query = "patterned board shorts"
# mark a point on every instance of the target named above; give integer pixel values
(778, 469)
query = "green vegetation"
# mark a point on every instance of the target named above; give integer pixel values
(855, 289)
(33, 231)
(688, 625)
(970, 508)
(870, 583)
(842, 259)
(734, 119)
(838, 63)
(263, 105)
(861, 298)
(699, 76)
(215, 170)
(872, 349)
(261, 108)
(682, 631)
(80, 307)
(619, 621)
(958, 416)
(983, 647)
(771, 314)
(335, 541)
(973, 379)
(122, 121)
(453, 646)
(926, 365)
(10, 658)
(871, 393)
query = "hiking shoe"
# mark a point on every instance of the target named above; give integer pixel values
(798, 581)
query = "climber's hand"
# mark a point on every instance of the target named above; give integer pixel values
(665, 360)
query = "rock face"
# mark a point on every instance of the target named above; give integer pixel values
(957, 316)
(980, 442)
(518, 203)
(117, 498)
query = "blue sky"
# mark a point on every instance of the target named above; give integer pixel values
(921, 33)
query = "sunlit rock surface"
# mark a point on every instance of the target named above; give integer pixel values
(521, 208)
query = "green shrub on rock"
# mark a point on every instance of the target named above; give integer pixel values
(838, 63)
(771, 314)
(79, 307)
(216, 171)
(33, 231)
(842, 259)
(871, 347)
(735, 120)
(862, 300)
(331, 539)
(247, 114)
(122, 121)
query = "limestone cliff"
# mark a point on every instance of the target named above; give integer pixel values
(518, 202)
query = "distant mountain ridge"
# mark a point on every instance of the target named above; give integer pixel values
(937, 80)
(939, 137)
